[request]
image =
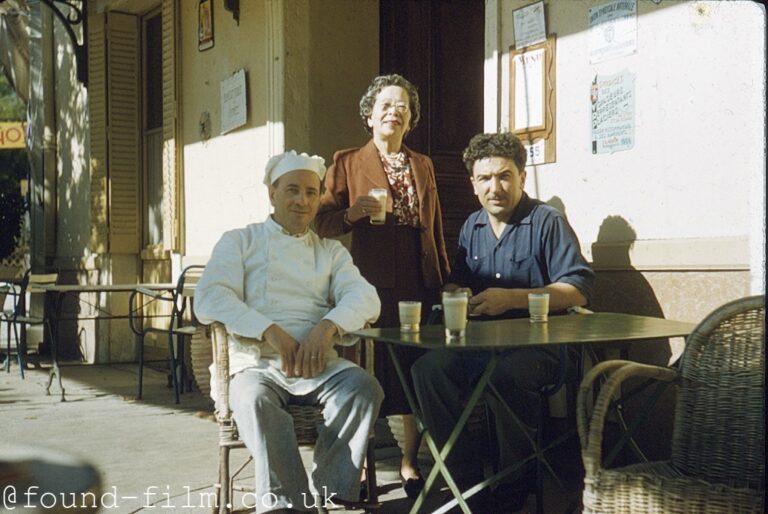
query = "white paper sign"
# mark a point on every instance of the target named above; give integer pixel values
(529, 90)
(612, 30)
(613, 112)
(233, 106)
(530, 26)
(535, 152)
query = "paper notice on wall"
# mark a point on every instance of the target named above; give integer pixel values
(613, 112)
(529, 90)
(529, 24)
(535, 152)
(233, 102)
(612, 30)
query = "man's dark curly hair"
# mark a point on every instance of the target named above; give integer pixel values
(503, 144)
(379, 83)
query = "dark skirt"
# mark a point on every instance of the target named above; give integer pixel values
(408, 286)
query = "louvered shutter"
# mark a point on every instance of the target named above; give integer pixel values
(171, 178)
(123, 115)
(97, 105)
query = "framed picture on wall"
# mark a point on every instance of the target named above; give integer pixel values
(204, 25)
(532, 99)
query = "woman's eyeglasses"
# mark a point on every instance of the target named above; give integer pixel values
(399, 107)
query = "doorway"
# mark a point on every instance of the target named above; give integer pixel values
(438, 45)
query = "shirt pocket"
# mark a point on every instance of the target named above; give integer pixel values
(480, 264)
(519, 266)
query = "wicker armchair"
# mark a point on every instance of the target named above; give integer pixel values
(718, 446)
(306, 419)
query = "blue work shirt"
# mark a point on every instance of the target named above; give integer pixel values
(537, 248)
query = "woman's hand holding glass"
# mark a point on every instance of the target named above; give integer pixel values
(363, 207)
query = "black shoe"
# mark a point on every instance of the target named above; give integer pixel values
(412, 486)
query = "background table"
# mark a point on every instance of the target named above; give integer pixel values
(60, 291)
(501, 335)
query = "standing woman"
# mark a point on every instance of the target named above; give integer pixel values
(405, 258)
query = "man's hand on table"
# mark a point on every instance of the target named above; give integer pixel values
(491, 302)
(310, 359)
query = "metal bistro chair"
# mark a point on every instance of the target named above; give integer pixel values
(5, 317)
(306, 421)
(174, 329)
(20, 295)
(717, 463)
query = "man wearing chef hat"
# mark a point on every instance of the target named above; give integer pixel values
(286, 297)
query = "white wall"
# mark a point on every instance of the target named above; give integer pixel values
(222, 175)
(307, 65)
(699, 128)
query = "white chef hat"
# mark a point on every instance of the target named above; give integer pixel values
(289, 161)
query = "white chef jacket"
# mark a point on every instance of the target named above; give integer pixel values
(260, 275)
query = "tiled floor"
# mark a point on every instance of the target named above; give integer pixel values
(153, 454)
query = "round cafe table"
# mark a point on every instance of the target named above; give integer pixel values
(37, 480)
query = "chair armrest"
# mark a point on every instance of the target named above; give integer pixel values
(591, 428)
(220, 351)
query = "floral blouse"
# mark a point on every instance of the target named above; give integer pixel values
(404, 198)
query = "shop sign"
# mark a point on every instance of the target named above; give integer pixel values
(13, 135)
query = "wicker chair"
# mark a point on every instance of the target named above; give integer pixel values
(717, 463)
(306, 419)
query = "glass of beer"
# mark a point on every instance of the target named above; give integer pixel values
(378, 217)
(538, 307)
(410, 315)
(455, 306)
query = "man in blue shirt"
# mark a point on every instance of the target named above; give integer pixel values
(513, 246)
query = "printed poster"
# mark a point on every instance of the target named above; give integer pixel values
(529, 90)
(233, 105)
(613, 112)
(612, 30)
(529, 23)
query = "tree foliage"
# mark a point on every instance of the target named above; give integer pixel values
(11, 108)
(14, 166)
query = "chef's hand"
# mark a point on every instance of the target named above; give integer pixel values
(285, 345)
(310, 359)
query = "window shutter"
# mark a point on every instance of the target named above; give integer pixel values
(97, 105)
(123, 116)
(171, 173)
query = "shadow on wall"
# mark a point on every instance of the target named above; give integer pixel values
(619, 287)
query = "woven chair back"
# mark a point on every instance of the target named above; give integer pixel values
(720, 417)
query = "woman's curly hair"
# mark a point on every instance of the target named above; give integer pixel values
(379, 83)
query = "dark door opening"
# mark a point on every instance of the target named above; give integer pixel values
(439, 46)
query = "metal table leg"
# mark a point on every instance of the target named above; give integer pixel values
(53, 328)
(440, 454)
